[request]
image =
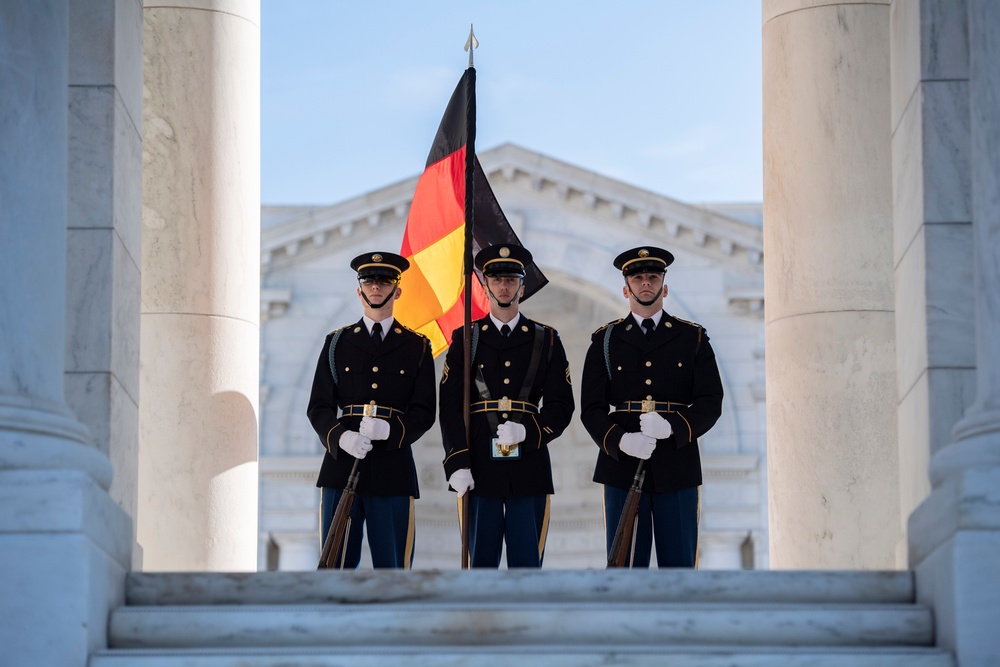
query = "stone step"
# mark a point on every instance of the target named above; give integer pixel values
(515, 656)
(522, 586)
(519, 624)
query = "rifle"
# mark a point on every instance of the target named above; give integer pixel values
(627, 523)
(336, 538)
(466, 555)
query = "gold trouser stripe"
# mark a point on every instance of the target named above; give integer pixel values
(697, 522)
(545, 528)
(410, 534)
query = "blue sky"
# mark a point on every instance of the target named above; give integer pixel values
(663, 95)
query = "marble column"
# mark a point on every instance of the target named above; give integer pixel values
(829, 322)
(104, 227)
(64, 545)
(200, 286)
(955, 533)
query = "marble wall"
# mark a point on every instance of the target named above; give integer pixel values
(103, 232)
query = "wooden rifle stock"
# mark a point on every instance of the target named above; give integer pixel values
(337, 537)
(620, 547)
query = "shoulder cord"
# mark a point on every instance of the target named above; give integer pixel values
(333, 348)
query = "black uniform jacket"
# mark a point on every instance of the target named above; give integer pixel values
(675, 364)
(398, 374)
(504, 363)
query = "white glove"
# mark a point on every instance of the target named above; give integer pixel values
(510, 433)
(654, 426)
(355, 444)
(639, 445)
(374, 429)
(461, 480)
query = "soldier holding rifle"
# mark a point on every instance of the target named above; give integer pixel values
(651, 388)
(372, 397)
(521, 401)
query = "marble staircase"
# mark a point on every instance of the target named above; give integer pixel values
(553, 618)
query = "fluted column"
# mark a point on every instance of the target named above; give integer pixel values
(955, 533)
(64, 545)
(200, 286)
(829, 321)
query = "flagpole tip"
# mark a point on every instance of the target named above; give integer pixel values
(471, 44)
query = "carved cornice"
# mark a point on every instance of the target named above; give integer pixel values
(315, 228)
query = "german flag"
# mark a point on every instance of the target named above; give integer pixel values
(434, 238)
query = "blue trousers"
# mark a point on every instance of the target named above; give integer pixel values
(390, 529)
(522, 522)
(671, 517)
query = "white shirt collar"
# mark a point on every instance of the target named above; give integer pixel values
(386, 324)
(656, 317)
(498, 324)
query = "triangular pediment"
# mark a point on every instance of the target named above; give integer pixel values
(521, 176)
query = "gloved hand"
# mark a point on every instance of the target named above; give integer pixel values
(461, 480)
(355, 444)
(510, 433)
(639, 445)
(655, 426)
(374, 429)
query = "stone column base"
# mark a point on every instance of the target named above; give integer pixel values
(955, 553)
(65, 549)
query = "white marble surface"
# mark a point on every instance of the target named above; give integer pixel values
(833, 494)
(509, 586)
(540, 623)
(507, 656)
(200, 286)
(832, 459)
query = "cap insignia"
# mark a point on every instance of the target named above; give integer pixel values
(643, 253)
(505, 252)
(376, 258)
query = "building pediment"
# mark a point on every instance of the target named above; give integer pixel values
(293, 233)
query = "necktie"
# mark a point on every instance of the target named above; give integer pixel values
(377, 333)
(505, 330)
(648, 326)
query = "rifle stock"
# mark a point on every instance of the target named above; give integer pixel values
(337, 536)
(618, 555)
(466, 555)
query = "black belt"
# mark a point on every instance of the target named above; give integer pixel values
(369, 410)
(504, 405)
(649, 406)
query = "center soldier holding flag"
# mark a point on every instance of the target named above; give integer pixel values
(521, 401)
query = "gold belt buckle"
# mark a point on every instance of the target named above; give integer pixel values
(370, 409)
(648, 406)
(503, 405)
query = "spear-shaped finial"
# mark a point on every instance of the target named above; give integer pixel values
(471, 44)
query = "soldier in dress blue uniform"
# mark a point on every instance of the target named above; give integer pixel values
(521, 401)
(372, 397)
(651, 387)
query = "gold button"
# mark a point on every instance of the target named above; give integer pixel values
(668, 324)
(357, 329)
(375, 386)
(402, 372)
(504, 415)
(374, 369)
(485, 327)
(649, 382)
(347, 368)
(649, 397)
(648, 364)
(679, 364)
(524, 327)
(506, 363)
(506, 380)
(619, 368)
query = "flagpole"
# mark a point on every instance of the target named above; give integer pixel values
(470, 161)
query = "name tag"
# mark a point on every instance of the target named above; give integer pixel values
(504, 452)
